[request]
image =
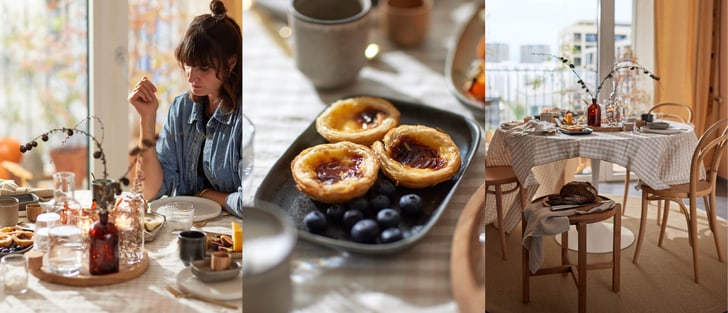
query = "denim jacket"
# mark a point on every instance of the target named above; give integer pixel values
(178, 149)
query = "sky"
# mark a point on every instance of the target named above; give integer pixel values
(521, 22)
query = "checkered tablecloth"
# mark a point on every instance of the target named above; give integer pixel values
(658, 160)
(282, 103)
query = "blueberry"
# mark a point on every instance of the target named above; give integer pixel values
(335, 213)
(365, 231)
(387, 218)
(379, 202)
(351, 217)
(411, 205)
(391, 235)
(385, 187)
(315, 221)
(361, 204)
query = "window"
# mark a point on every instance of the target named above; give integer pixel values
(577, 37)
(43, 68)
(591, 37)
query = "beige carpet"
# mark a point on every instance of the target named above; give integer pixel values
(662, 281)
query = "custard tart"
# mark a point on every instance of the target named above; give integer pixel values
(417, 156)
(361, 120)
(335, 172)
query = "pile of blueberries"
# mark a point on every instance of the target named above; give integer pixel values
(12, 248)
(376, 217)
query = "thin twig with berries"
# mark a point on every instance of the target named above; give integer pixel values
(98, 154)
(631, 65)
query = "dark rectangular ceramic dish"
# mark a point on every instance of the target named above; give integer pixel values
(278, 188)
(23, 199)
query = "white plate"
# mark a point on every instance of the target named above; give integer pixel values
(204, 208)
(461, 57)
(223, 290)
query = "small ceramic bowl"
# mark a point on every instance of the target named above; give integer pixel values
(201, 269)
(153, 222)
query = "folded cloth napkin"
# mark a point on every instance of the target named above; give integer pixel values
(542, 221)
(9, 187)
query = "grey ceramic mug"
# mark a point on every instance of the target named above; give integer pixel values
(192, 246)
(9, 211)
(330, 37)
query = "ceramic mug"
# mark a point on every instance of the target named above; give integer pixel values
(192, 246)
(406, 22)
(329, 39)
(9, 211)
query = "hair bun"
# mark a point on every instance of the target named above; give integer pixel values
(218, 9)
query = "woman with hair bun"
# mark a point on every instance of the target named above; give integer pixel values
(198, 151)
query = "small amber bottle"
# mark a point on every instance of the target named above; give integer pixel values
(594, 114)
(104, 246)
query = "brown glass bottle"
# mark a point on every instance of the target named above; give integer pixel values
(104, 246)
(594, 114)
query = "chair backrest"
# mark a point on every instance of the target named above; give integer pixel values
(712, 145)
(672, 111)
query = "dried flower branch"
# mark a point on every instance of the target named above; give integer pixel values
(632, 66)
(99, 153)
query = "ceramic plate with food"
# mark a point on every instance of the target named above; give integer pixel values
(464, 63)
(278, 188)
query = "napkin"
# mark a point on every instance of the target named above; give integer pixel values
(9, 187)
(541, 221)
(535, 126)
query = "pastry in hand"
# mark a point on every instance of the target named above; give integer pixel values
(361, 120)
(335, 172)
(417, 156)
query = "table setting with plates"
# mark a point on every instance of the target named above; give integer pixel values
(334, 268)
(159, 281)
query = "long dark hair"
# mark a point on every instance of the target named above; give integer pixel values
(210, 41)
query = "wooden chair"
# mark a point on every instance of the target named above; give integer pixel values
(578, 270)
(711, 147)
(677, 112)
(496, 177)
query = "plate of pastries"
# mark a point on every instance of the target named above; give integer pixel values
(15, 239)
(371, 174)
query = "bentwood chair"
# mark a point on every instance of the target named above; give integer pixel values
(671, 111)
(711, 147)
(496, 177)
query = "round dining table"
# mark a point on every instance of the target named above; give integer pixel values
(658, 157)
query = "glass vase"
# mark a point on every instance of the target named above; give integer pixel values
(594, 114)
(104, 246)
(128, 216)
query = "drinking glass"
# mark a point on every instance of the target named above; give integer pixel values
(15, 273)
(43, 224)
(65, 252)
(179, 215)
(248, 159)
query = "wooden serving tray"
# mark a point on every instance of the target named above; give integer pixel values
(467, 252)
(126, 273)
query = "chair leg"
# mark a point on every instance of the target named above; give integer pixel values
(711, 220)
(641, 235)
(499, 214)
(664, 222)
(581, 229)
(525, 274)
(693, 229)
(616, 252)
(659, 212)
(626, 190)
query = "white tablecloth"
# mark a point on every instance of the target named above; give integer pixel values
(658, 160)
(281, 102)
(145, 293)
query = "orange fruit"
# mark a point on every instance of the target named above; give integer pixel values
(10, 150)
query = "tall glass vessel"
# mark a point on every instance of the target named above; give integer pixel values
(64, 202)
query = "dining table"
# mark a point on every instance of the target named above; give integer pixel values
(282, 103)
(659, 158)
(145, 293)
